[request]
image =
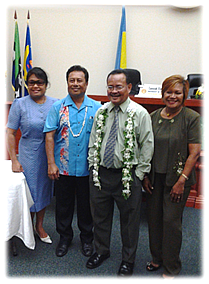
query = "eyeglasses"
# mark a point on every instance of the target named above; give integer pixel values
(117, 88)
(39, 83)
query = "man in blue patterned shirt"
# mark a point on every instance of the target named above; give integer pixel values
(68, 127)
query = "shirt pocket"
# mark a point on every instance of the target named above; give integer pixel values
(89, 124)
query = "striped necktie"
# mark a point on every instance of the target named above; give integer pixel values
(111, 141)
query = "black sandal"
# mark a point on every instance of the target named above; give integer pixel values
(150, 267)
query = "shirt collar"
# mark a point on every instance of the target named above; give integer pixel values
(123, 106)
(69, 102)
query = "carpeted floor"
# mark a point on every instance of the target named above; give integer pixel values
(43, 261)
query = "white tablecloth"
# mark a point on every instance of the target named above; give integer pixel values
(19, 201)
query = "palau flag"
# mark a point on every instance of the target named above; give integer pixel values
(27, 58)
(120, 62)
(16, 67)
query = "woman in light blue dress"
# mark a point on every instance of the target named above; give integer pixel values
(29, 114)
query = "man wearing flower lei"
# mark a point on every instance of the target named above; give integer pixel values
(120, 151)
(68, 127)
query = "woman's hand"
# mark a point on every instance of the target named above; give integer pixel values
(177, 192)
(147, 186)
(53, 171)
(178, 188)
(17, 167)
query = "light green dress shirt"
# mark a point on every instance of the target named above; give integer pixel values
(144, 141)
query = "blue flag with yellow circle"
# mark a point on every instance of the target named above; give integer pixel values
(27, 65)
(120, 62)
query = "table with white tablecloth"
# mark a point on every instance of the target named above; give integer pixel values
(19, 201)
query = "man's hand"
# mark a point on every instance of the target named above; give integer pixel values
(147, 185)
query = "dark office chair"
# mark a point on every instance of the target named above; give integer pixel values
(195, 81)
(135, 81)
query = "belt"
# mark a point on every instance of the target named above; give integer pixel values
(115, 170)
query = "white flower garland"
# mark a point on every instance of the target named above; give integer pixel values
(127, 152)
(100, 123)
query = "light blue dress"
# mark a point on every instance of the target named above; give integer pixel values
(30, 117)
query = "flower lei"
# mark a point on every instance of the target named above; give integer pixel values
(179, 165)
(100, 123)
(127, 152)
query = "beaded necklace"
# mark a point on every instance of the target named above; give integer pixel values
(84, 121)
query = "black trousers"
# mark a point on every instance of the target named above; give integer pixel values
(102, 206)
(67, 189)
(165, 225)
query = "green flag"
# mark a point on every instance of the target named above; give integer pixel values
(16, 68)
